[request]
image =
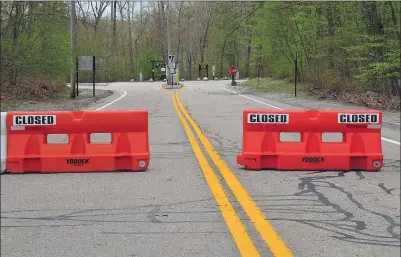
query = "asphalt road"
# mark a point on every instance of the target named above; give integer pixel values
(179, 208)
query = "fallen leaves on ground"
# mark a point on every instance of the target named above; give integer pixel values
(31, 88)
(368, 99)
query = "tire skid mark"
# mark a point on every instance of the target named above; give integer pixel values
(310, 185)
(387, 190)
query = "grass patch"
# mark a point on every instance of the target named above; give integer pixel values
(270, 85)
(349, 93)
(8, 106)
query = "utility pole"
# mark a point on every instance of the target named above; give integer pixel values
(168, 41)
(72, 48)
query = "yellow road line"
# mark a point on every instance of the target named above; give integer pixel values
(237, 229)
(262, 225)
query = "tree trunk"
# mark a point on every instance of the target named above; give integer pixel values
(331, 29)
(300, 36)
(114, 27)
(204, 41)
(179, 31)
(16, 25)
(222, 57)
(248, 58)
(399, 40)
(31, 18)
(114, 40)
(131, 52)
(396, 82)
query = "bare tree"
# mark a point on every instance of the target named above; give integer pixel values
(114, 21)
(207, 15)
(98, 9)
(130, 47)
(180, 6)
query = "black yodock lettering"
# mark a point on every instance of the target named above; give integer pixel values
(313, 160)
(77, 162)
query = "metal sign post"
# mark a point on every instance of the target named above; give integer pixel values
(172, 71)
(190, 66)
(94, 75)
(199, 70)
(153, 71)
(177, 73)
(257, 86)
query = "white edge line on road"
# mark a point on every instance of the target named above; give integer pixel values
(391, 141)
(254, 99)
(383, 138)
(112, 102)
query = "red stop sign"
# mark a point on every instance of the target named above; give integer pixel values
(233, 71)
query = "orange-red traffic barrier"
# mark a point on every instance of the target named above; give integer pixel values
(29, 149)
(359, 149)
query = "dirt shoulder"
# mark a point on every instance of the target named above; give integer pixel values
(61, 102)
(43, 93)
(284, 92)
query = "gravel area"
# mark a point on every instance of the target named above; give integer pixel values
(83, 101)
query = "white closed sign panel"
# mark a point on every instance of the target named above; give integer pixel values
(34, 120)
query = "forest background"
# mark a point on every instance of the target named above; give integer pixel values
(344, 49)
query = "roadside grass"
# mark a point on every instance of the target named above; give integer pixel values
(348, 94)
(270, 85)
(8, 106)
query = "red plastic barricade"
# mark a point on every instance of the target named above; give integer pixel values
(29, 149)
(359, 149)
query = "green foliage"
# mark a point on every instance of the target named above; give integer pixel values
(276, 86)
(334, 41)
(144, 65)
(378, 59)
(37, 45)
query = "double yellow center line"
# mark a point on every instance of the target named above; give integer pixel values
(237, 229)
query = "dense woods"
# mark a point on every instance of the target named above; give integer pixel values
(338, 45)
